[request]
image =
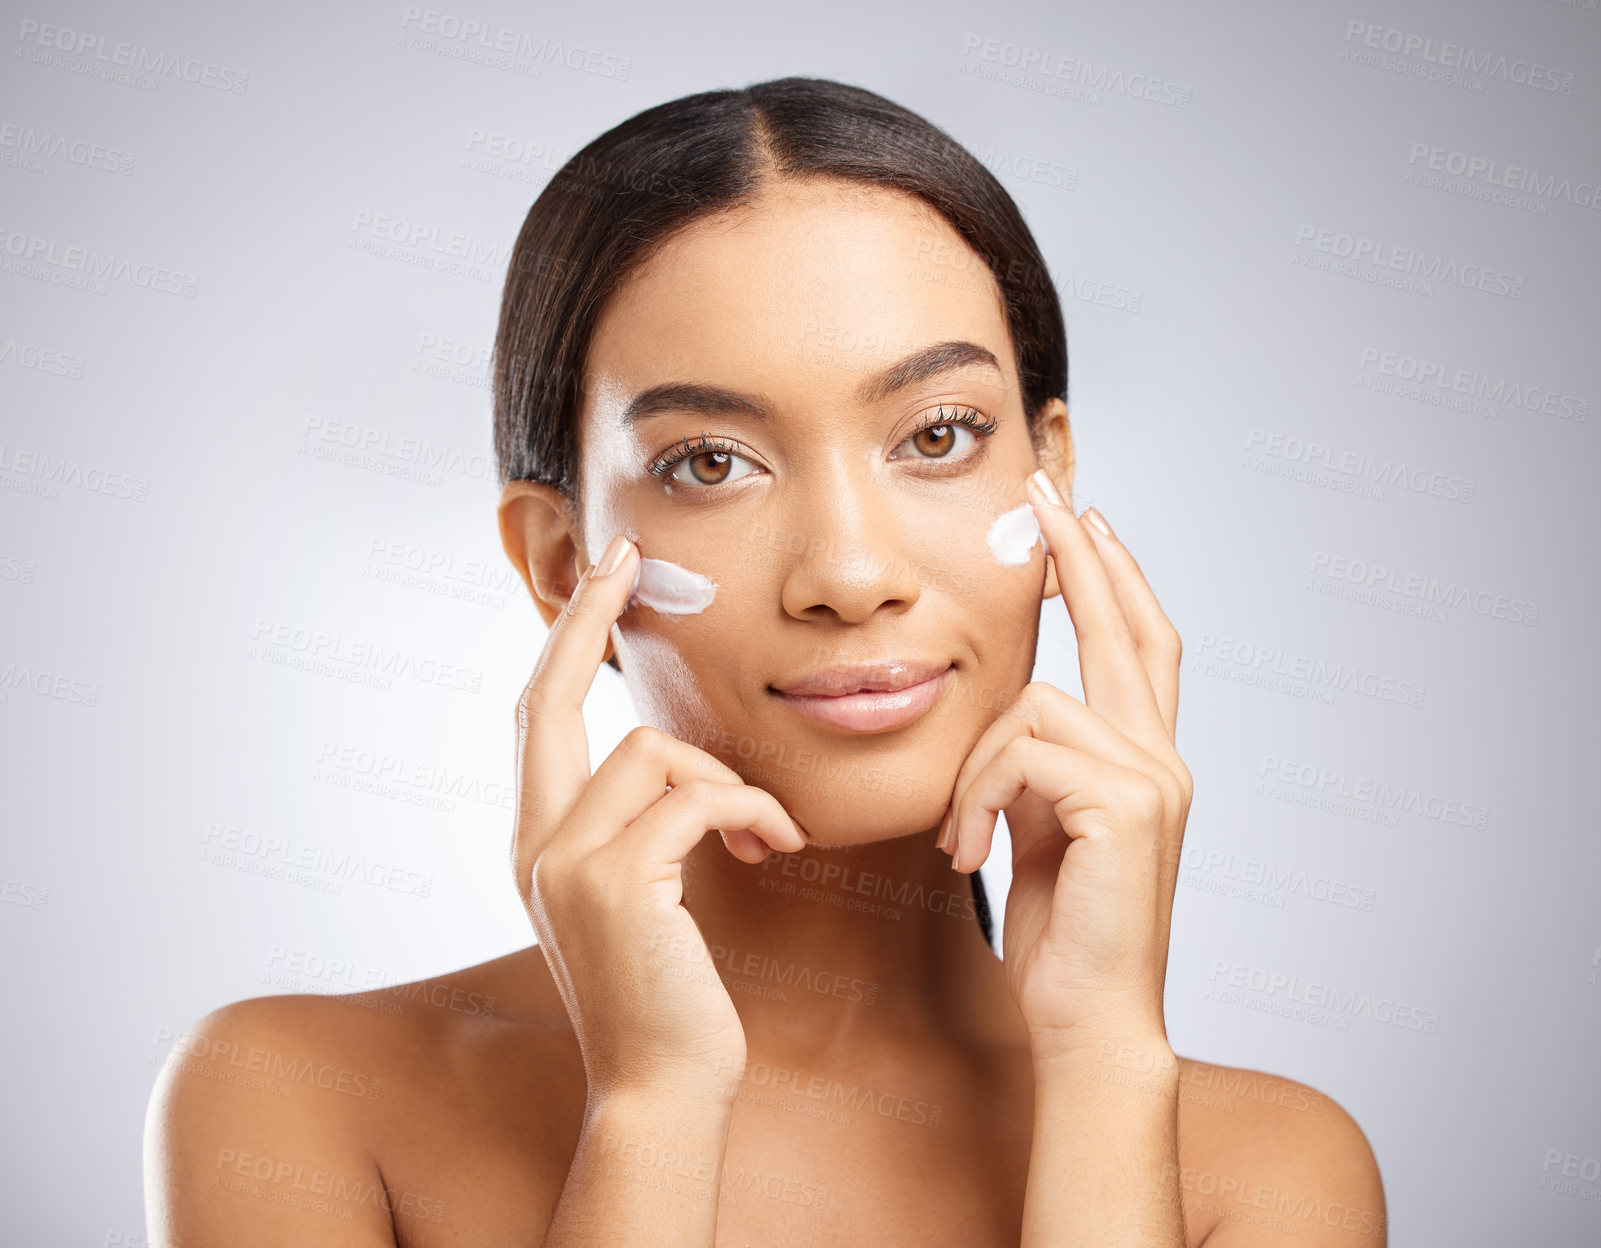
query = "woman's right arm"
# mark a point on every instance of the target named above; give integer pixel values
(598, 861)
(646, 1171)
(599, 864)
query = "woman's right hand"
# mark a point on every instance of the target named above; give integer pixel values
(599, 864)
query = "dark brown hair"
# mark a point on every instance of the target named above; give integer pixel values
(615, 202)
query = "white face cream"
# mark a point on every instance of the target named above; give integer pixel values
(670, 589)
(1014, 533)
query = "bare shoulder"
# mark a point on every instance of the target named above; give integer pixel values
(245, 1142)
(337, 1119)
(1262, 1156)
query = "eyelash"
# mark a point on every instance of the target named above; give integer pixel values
(970, 417)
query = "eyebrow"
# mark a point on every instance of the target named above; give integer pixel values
(930, 362)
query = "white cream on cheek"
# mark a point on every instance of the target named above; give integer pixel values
(670, 589)
(676, 591)
(1012, 536)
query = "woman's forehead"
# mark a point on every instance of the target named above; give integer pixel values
(809, 277)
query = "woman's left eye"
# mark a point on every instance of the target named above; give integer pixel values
(937, 436)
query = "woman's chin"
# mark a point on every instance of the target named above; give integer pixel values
(841, 817)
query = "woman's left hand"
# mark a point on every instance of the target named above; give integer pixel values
(1096, 798)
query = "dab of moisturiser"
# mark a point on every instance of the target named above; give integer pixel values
(1014, 533)
(673, 590)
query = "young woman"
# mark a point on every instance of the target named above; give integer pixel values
(780, 412)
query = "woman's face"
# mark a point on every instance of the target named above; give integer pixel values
(840, 506)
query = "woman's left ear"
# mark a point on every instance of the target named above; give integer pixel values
(1053, 438)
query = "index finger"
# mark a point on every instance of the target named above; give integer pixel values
(1116, 684)
(552, 741)
(1159, 645)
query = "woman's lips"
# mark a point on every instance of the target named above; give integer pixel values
(870, 712)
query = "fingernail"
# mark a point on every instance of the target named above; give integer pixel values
(612, 559)
(1099, 521)
(956, 841)
(1047, 487)
(944, 831)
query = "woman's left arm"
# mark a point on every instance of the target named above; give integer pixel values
(1089, 912)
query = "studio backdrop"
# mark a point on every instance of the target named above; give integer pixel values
(1330, 280)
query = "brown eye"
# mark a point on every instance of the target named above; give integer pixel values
(717, 473)
(940, 438)
(937, 440)
(942, 441)
(706, 468)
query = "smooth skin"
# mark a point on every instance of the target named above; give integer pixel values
(638, 1079)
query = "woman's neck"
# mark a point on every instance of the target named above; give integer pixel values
(833, 950)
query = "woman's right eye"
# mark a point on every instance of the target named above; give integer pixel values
(705, 462)
(708, 468)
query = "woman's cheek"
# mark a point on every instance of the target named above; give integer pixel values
(661, 657)
(991, 563)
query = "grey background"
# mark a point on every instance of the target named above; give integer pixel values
(143, 710)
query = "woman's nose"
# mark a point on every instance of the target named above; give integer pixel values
(854, 559)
